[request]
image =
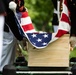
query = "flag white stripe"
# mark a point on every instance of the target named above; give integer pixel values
(65, 10)
(53, 37)
(64, 26)
(26, 21)
(30, 31)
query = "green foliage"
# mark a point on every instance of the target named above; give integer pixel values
(73, 53)
(23, 52)
(41, 12)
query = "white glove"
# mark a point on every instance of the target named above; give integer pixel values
(73, 41)
(12, 6)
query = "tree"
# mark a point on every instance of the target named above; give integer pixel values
(41, 12)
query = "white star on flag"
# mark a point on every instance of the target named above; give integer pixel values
(39, 40)
(44, 43)
(45, 35)
(34, 35)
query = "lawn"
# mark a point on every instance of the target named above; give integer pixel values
(73, 53)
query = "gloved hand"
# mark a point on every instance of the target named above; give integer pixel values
(12, 6)
(73, 41)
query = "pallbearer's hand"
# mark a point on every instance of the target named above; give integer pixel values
(73, 42)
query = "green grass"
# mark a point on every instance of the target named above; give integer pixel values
(73, 53)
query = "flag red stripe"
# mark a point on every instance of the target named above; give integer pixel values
(65, 18)
(61, 32)
(65, 2)
(27, 27)
(24, 14)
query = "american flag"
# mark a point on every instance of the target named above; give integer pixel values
(64, 24)
(26, 23)
(41, 40)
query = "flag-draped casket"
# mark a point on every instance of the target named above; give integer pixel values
(56, 54)
(48, 49)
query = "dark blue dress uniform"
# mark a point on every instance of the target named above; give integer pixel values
(55, 17)
(2, 7)
(9, 19)
(72, 9)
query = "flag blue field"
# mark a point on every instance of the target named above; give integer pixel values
(39, 40)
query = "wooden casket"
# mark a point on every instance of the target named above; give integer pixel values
(56, 54)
